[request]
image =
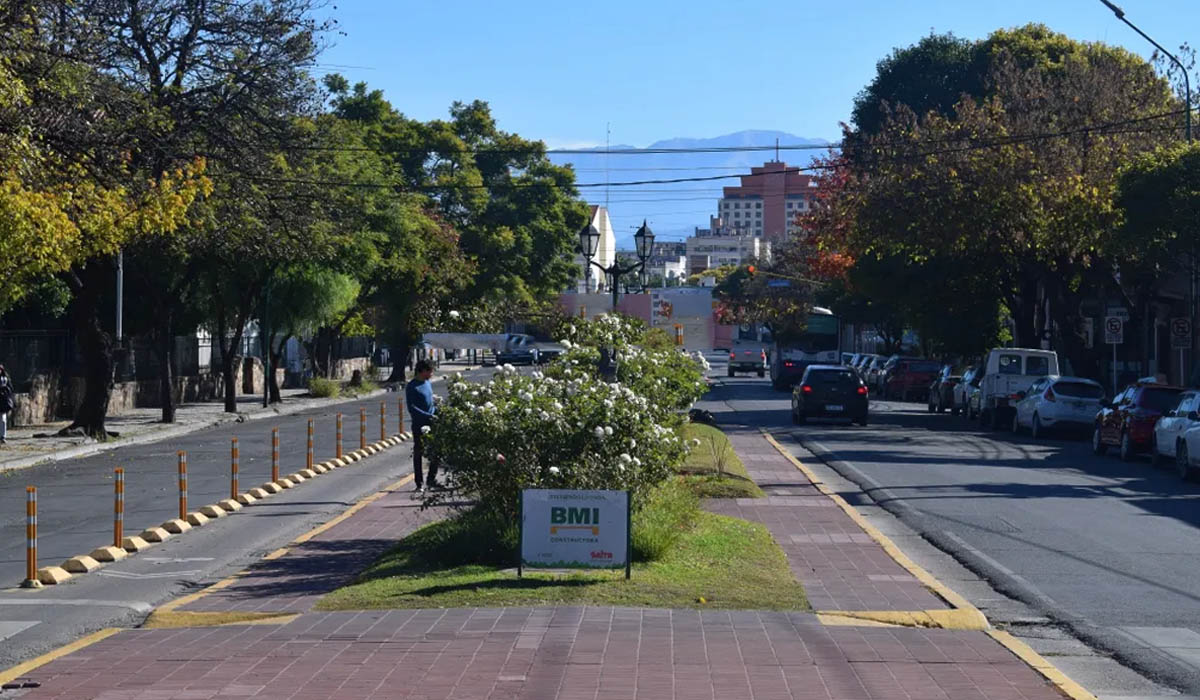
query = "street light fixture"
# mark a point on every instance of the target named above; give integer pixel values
(589, 241)
(1187, 83)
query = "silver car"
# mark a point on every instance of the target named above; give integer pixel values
(1053, 402)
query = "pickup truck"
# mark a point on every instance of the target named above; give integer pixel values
(1006, 372)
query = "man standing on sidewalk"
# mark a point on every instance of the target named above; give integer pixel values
(419, 397)
(7, 403)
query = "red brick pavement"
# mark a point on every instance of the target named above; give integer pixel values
(294, 582)
(841, 567)
(567, 653)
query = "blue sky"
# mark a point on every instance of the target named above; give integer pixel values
(656, 69)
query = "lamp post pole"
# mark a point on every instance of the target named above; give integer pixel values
(589, 240)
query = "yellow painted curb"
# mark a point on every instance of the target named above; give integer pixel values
(1024, 652)
(246, 498)
(967, 619)
(229, 505)
(259, 493)
(307, 473)
(160, 619)
(22, 669)
(941, 589)
(320, 468)
(197, 519)
(296, 478)
(285, 483)
(271, 487)
(836, 620)
(52, 575)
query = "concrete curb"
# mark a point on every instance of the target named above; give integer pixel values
(52, 575)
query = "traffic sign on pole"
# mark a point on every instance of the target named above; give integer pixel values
(1114, 330)
(1181, 333)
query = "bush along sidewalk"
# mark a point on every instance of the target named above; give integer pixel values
(581, 424)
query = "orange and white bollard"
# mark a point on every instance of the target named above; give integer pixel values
(400, 413)
(274, 455)
(182, 485)
(308, 461)
(118, 506)
(338, 451)
(31, 580)
(382, 420)
(362, 428)
(233, 469)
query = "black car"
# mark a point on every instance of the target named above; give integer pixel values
(829, 391)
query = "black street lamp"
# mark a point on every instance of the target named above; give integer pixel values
(589, 240)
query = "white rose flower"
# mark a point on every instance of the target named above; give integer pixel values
(425, 429)
(555, 470)
(637, 462)
(608, 403)
(625, 458)
(543, 415)
(599, 433)
(454, 314)
(632, 443)
(608, 430)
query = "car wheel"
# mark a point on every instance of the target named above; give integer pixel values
(1098, 446)
(1155, 456)
(930, 406)
(1016, 424)
(762, 373)
(955, 410)
(1037, 431)
(1127, 450)
(795, 416)
(941, 408)
(862, 421)
(1181, 461)
(800, 418)
(994, 421)
(731, 372)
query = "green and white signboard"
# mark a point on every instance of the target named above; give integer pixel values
(570, 529)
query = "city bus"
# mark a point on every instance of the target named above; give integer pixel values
(820, 343)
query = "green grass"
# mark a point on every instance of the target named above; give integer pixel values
(465, 561)
(322, 388)
(714, 469)
(366, 387)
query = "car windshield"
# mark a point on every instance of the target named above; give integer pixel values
(1160, 399)
(1078, 390)
(832, 377)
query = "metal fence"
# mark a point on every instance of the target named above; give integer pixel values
(28, 353)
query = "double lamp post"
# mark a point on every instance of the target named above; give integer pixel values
(589, 241)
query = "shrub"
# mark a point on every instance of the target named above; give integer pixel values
(669, 512)
(364, 387)
(570, 432)
(323, 388)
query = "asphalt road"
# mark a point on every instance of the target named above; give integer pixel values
(75, 507)
(1110, 549)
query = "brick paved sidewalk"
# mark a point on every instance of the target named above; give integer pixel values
(592, 653)
(568, 653)
(841, 567)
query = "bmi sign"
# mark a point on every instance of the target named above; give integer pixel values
(575, 529)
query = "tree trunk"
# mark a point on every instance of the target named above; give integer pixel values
(96, 348)
(276, 360)
(166, 370)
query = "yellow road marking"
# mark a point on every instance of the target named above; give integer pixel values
(969, 619)
(24, 668)
(1026, 653)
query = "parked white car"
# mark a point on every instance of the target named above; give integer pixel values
(1054, 402)
(1170, 430)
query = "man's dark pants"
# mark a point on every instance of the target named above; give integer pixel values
(418, 453)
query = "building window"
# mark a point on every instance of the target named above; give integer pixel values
(789, 205)
(758, 205)
(758, 214)
(737, 205)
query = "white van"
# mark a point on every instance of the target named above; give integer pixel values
(1006, 372)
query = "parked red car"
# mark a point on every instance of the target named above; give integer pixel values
(1127, 422)
(910, 379)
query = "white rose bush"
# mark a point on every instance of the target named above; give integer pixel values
(569, 428)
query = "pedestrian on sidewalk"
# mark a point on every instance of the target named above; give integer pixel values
(8, 401)
(419, 397)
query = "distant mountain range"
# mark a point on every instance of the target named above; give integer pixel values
(674, 209)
